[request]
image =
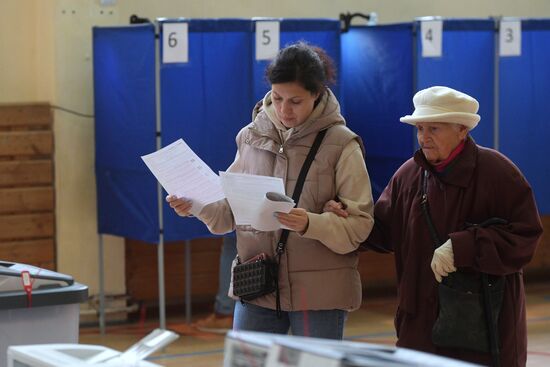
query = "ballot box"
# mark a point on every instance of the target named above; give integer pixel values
(37, 306)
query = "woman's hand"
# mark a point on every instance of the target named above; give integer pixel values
(296, 220)
(181, 206)
(336, 207)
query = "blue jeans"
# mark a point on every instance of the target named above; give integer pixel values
(328, 324)
(224, 305)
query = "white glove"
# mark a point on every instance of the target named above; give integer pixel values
(443, 261)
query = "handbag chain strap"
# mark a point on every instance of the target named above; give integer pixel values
(296, 197)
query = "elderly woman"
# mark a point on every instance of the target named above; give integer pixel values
(466, 184)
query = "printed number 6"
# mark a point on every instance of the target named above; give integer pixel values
(172, 40)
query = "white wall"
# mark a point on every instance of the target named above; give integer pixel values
(46, 55)
(389, 11)
(77, 239)
(18, 51)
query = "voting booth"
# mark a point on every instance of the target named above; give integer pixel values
(205, 96)
(151, 91)
(523, 89)
(200, 79)
(502, 62)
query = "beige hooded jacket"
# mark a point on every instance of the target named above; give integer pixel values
(318, 270)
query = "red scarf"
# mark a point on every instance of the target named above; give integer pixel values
(442, 165)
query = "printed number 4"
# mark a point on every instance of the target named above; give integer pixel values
(429, 35)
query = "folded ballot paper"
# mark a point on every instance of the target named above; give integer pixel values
(255, 199)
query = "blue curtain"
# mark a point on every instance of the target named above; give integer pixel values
(466, 64)
(376, 91)
(524, 113)
(124, 92)
(207, 101)
(324, 33)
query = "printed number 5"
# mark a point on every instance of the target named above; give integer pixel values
(265, 37)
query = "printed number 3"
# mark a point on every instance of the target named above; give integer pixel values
(508, 35)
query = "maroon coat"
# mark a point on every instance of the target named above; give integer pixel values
(479, 184)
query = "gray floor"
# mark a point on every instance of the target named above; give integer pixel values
(373, 323)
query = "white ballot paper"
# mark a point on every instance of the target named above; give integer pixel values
(255, 199)
(182, 173)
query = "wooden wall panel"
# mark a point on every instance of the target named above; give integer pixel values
(27, 204)
(142, 274)
(20, 143)
(26, 115)
(35, 252)
(24, 226)
(26, 173)
(377, 270)
(26, 199)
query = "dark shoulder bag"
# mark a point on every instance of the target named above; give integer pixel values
(260, 275)
(469, 303)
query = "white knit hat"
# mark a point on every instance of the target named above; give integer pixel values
(443, 104)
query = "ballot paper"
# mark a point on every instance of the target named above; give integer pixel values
(254, 199)
(183, 174)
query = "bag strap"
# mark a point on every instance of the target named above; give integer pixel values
(296, 197)
(426, 209)
(300, 184)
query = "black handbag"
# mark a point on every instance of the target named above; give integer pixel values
(255, 277)
(469, 303)
(462, 321)
(260, 275)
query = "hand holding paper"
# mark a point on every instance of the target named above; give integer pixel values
(181, 206)
(265, 219)
(296, 220)
(184, 175)
(255, 199)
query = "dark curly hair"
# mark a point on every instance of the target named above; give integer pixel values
(306, 64)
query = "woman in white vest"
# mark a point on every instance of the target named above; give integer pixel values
(318, 279)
